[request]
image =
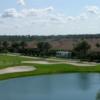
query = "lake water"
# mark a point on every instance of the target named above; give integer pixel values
(51, 87)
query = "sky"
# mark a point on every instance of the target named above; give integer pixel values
(49, 17)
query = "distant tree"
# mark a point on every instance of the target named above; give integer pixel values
(94, 56)
(81, 49)
(0, 46)
(43, 48)
(97, 45)
(23, 44)
(15, 47)
(22, 47)
(5, 45)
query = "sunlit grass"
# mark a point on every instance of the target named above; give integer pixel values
(8, 61)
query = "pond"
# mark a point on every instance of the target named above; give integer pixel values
(51, 87)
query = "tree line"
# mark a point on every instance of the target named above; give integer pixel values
(27, 38)
(82, 50)
(43, 48)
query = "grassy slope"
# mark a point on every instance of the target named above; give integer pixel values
(6, 61)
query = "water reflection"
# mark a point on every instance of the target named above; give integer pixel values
(52, 87)
(98, 95)
(84, 81)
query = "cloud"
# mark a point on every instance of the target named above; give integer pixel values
(48, 13)
(13, 13)
(37, 12)
(82, 16)
(92, 9)
(21, 2)
(9, 13)
(70, 18)
(48, 20)
(1, 22)
(49, 9)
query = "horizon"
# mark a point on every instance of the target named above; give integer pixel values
(49, 17)
(53, 35)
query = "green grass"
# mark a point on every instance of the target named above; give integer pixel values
(8, 61)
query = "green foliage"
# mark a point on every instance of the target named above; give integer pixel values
(15, 47)
(97, 45)
(81, 49)
(94, 56)
(23, 44)
(28, 38)
(43, 48)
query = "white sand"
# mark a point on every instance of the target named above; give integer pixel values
(37, 62)
(41, 62)
(30, 57)
(67, 62)
(82, 64)
(17, 69)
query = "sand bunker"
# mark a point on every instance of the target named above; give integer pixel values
(68, 62)
(37, 62)
(82, 64)
(41, 62)
(17, 69)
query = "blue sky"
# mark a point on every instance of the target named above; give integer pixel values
(71, 7)
(49, 17)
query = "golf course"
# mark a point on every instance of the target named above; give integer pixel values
(13, 66)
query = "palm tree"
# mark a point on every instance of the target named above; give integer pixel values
(23, 44)
(43, 48)
(5, 45)
(22, 47)
(0, 46)
(97, 45)
(81, 49)
(15, 47)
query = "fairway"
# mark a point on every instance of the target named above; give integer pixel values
(10, 60)
(42, 65)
